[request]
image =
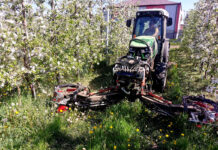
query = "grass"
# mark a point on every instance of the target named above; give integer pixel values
(33, 124)
(127, 125)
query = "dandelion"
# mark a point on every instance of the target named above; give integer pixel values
(160, 137)
(167, 135)
(61, 110)
(115, 147)
(171, 131)
(182, 134)
(112, 113)
(164, 141)
(169, 125)
(91, 132)
(111, 127)
(70, 109)
(89, 117)
(100, 126)
(161, 130)
(129, 145)
(174, 142)
(16, 112)
(137, 130)
(205, 134)
(95, 127)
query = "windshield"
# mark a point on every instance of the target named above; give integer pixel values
(150, 26)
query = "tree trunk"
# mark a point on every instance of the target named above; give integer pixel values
(27, 57)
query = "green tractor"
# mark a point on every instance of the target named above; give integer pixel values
(145, 65)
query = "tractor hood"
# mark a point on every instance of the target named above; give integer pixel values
(150, 40)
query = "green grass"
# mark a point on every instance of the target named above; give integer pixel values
(127, 125)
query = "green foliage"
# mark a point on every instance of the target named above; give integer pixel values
(174, 89)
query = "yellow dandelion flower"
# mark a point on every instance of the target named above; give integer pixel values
(89, 117)
(5, 94)
(171, 131)
(90, 132)
(115, 147)
(160, 137)
(205, 133)
(161, 130)
(16, 112)
(137, 130)
(95, 127)
(129, 145)
(164, 141)
(111, 127)
(182, 134)
(166, 135)
(174, 142)
(169, 125)
(100, 126)
(111, 113)
(70, 109)
(61, 110)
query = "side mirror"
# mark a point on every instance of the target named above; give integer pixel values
(128, 22)
(169, 21)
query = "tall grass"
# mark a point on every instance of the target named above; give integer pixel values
(127, 125)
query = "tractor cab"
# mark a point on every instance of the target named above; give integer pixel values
(150, 26)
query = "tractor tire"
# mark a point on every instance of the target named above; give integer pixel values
(160, 77)
(166, 52)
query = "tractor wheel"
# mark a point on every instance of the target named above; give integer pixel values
(166, 53)
(160, 77)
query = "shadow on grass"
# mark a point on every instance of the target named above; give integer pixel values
(104, 77)
(56, 138)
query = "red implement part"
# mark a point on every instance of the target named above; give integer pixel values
(203, 105)
(62, 108)
(71, 90)
(159, 98)
(104, 90)
(101, 91)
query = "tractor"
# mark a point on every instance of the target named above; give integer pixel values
(145, 65)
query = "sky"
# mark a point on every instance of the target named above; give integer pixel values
(187, 4)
